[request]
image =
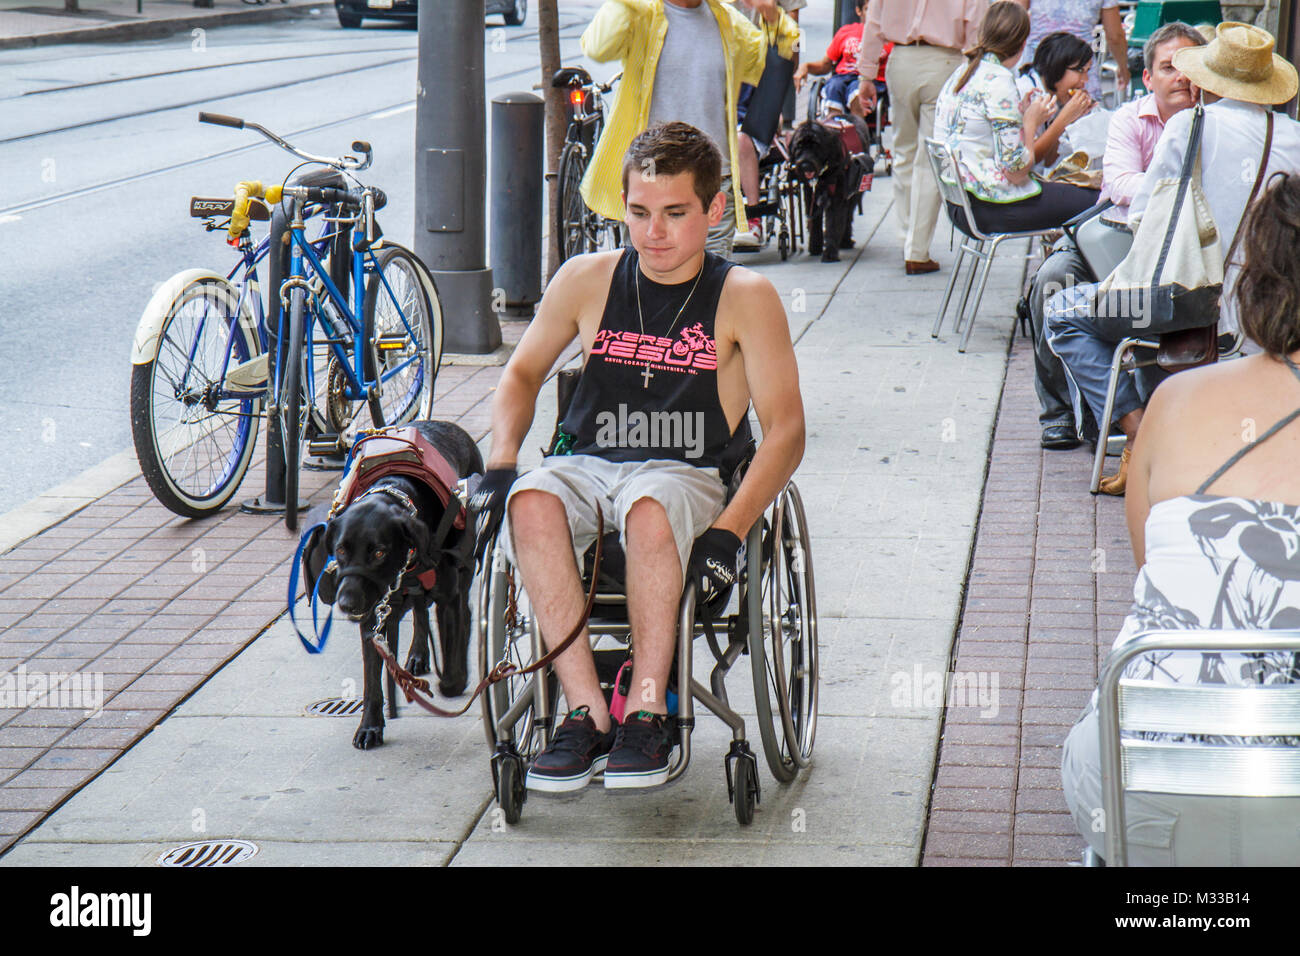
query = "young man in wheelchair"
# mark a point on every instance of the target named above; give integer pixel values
(672, 336)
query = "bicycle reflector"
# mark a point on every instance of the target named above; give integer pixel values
(576, 96)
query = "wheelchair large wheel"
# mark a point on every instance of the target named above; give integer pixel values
(506, 628)
(783, 638)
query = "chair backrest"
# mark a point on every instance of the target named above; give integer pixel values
(943, 164)
(1192, 768)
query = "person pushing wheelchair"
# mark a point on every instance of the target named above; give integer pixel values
(677, 343)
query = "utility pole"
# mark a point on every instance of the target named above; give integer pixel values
(451, 171)
(548, 38)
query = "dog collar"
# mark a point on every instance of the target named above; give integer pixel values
(401, 497)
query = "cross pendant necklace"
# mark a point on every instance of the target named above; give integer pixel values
(646, 374)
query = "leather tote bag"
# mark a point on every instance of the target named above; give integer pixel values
(1172, 278)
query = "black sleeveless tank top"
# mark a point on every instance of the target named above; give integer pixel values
(649, 389)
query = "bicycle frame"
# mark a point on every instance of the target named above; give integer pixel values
(302, 254)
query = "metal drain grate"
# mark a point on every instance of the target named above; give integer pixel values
(209, 853)
(336, 707)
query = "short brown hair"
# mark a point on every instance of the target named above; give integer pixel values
(1268, 289)
(667, 149)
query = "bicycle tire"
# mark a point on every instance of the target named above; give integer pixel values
(570, 210)
(411, 348)
(291, 405)
(155, 399)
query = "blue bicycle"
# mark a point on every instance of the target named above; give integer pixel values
(366, 328)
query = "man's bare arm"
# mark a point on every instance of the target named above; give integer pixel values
(763, 336)
(553, 328)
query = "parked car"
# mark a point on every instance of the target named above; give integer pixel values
(352, 12)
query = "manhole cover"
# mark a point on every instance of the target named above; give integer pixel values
(336, 707)
(209, 853)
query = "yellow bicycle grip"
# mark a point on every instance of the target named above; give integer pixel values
(239, 220)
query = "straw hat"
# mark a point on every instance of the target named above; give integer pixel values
(1239, 64)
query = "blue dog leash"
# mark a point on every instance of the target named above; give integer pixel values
(321, 634)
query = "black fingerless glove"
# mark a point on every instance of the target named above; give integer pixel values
(488, 506)
(713, 564)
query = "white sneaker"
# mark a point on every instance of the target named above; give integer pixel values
(751, 238)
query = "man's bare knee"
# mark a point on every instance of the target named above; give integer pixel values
(647, 523)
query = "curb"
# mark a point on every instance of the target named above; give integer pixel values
(158, 28)
(49, 508)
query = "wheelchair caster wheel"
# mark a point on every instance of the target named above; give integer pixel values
(783, 246)
(742, 781)
(510, 789)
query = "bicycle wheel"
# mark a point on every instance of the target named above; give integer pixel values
(292, 406)
(570, 210)
(194, 438)
(401, 316)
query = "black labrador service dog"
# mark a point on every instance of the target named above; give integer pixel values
(837, 173)
(370, 541)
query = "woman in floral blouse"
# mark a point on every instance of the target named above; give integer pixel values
(982, 118)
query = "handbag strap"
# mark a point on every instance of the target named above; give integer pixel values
(1191, 165)
(1254, 190)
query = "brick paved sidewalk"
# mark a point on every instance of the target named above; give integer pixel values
(154, 603)
(1039, 616)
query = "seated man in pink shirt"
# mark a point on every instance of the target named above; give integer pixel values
(1130, 144)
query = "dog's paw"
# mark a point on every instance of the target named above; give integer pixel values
(814, 248)
(418, 664)
(453, 686)
(368, 738)
(830, 256)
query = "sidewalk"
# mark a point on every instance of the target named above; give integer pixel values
(183, 620)
(29, 23)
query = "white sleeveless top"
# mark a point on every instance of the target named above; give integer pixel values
(1217, 562)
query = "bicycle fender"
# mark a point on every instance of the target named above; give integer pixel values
(148, 332)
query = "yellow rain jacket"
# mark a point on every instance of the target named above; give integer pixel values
(633, 31)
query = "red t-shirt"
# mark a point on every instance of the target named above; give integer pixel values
(844, 48)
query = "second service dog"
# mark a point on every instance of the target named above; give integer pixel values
(370, 541)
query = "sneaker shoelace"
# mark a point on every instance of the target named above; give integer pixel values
(643, 735)
(573, 735)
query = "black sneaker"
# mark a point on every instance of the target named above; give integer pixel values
(642, 747)
(577, 751)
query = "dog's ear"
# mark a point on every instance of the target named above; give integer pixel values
(315, 556)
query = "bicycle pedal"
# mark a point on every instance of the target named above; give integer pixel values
(249, 375)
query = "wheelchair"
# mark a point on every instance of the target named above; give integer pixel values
(782, 200)
(774, 621)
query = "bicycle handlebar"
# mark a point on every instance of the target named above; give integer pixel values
(343, 162)
(216, 119)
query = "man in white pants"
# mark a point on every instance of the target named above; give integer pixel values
(929, 37)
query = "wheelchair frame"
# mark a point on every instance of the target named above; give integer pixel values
(519, 714)
(782, 201)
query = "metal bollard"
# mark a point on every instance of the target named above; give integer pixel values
(516, 186)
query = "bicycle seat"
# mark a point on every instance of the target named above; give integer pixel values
(333, 179)
(568, 76)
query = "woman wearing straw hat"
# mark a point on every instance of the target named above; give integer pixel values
(1240, 77)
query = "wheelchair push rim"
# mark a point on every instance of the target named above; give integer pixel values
(785, 661)
(507, 630)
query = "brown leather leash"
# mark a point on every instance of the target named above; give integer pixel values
(416, 690)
